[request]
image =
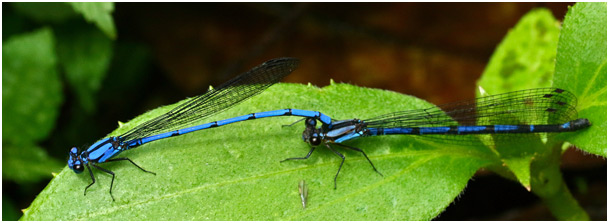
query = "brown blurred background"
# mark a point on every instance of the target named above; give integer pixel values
(435, 51)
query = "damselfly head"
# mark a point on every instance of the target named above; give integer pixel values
(315, 139)
(74, 162)
(311, 137)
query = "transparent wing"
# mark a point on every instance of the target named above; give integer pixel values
(526, 107)
(216, 100)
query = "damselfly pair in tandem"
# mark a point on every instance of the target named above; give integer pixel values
(534, 111)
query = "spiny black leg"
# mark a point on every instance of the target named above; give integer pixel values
(300, 158)
(290, 125)
(109, 172)
(124, 158)
(341, 163)
(92, 178)
(359, 150)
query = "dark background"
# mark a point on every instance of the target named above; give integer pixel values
(435, 51)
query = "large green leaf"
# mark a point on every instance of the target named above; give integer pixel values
(581, 67)
(99, 13)
(234, 173)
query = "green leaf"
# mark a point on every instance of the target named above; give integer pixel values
(52, 12)
(535, 164)
(27, 163)
(521, 168)
(525, 57)
(99, 13)
(234, 173)
(85, 56)
(31, 87)
(581, 67)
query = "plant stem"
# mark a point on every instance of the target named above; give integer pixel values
(547, 182)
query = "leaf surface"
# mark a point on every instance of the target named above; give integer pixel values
(581, 67)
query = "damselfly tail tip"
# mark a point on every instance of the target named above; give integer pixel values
(581, 123)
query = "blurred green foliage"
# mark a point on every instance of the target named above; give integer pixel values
(99, 13)
(43, 44)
